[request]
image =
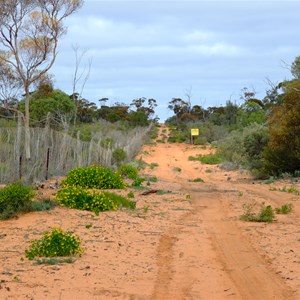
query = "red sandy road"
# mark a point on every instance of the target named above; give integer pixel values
(187, 245)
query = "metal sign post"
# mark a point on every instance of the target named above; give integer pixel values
(194, 132)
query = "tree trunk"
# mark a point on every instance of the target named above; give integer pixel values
(26, 124)
(17, 149)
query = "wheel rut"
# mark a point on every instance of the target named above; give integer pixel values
(230, 268)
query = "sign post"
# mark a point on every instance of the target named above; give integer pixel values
(194, 132)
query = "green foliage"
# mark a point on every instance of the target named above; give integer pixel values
(138, 118)
(54, 243)
(266, 213)
(138, 182)
(269, 181)
(130, 195)
(139, 163)
(120, 201)
(200, 140)
(197, 180)
(295, 68)
(209, 159)
(160, 141)
(282, 153)
(80, 198)
(290, 190)
(153, 165)
(56, 103)
(151, 179)
(14, 199)
(119, 156)
(128, 171)
(177, 169)
(97, 177)
(54, 261)
(246, 147)
(284, 209)
(43, 205)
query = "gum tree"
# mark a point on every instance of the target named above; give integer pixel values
(29, 35)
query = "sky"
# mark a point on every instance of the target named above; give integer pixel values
(206, 50)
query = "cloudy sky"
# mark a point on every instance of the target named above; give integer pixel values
(165, 49)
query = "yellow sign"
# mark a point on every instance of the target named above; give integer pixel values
(194, 131)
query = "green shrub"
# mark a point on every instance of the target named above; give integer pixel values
(197, 180)
(54, 243)
(15, 198)
(246, 147)
(269, 181)
(128, 171)
(290, 190)
(42, 205)
(118, 156)
(210, 159)
(266, 213)
(201, 140)
(284, 209)
(120, 201)
(138, 182)
(80, 198)
(54, 260)
(94, 177)
(153, 165)
(130, 195)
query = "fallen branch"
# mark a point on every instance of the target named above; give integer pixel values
(149, 192)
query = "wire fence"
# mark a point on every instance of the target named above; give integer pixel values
(54, 153)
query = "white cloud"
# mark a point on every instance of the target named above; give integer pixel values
(159, 48)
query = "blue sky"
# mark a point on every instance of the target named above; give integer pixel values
(164, 49)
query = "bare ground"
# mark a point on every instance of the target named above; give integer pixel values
(188, 244)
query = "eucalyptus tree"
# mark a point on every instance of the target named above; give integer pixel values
(29, 35)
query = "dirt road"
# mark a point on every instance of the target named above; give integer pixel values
(186, 242)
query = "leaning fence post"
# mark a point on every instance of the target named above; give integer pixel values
(20, 167)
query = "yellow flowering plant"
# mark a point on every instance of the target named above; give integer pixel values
(54, 243)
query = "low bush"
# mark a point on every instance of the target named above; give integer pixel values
(290, 190)
(197, 180)
(138, 182)
(201, 140)
(119, 156)
(128, 171)
(97, 177)
(284, 209)
(14, 199)
(80, 198)
(153, 165)
(266, 213)
(54, 243)
(120, 201)
(130, 195)
(43, 205)
(209, 159)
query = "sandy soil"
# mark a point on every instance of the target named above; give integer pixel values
(185, 243)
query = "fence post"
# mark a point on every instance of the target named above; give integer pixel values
(47, 163)
(20, 167)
